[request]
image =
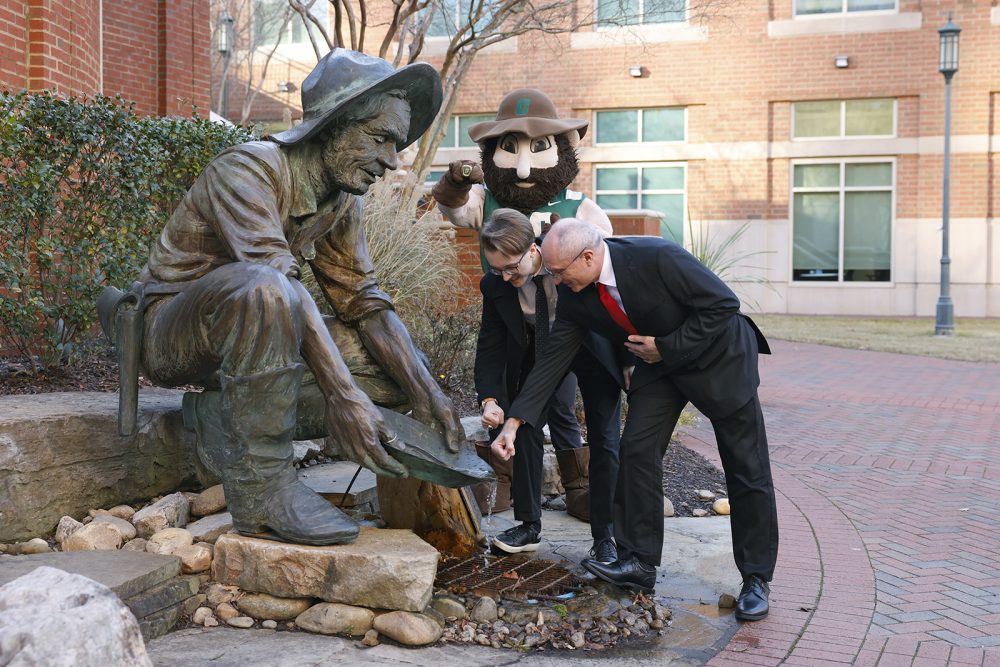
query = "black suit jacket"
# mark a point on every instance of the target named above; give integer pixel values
(709, 348)
(502, 347)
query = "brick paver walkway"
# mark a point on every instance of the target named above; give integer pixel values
(887, 469)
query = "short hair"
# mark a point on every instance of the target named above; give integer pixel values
(573, 236)
(507, 231)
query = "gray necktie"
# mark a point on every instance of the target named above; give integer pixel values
(541, 316)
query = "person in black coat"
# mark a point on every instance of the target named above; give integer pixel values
(683, 324)
(518, 308)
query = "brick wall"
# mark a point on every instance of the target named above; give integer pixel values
(155, 53)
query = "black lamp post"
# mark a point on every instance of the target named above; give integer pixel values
(944, 323)
(224, 45)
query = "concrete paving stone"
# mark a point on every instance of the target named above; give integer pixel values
(125, 572)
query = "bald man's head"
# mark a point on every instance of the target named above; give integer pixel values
(573, 253)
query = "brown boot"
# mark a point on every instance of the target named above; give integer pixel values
(574, 470)
(482, 490)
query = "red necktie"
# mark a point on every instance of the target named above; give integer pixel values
(615, 311)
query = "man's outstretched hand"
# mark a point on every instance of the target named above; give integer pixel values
(503, 446)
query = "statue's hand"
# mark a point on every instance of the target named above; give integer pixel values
(357, 428)
(438, 408)
(452, 190)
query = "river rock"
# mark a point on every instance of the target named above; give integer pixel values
(485, 610)
(382, 569)
(138, 544)
(699, 512)
(727, 601)
(126, 529)
(330, 618)
(168, 512)
(54, 618)
(705, 494)
(371, 638)
(67, 526)
(209, 528)
(240, 622)
(721, 506)
(216, 594)
(122, 512)
(668, 507)
(226, 611)
(269, 624)
(200, 614)
(263, 606)
(169, 540)
(35, 545)
(209, 501)
(94, 537)
(408, 628)
(449, 607)
(195, 558)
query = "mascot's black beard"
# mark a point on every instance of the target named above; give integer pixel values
(548, 182)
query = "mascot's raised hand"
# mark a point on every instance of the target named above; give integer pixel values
(452, 190)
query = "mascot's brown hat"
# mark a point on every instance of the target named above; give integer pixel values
(528, 111)
(344, 76)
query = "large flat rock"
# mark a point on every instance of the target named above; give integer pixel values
(127, 573)
(60, 454)
(331, 480)
(382, 569)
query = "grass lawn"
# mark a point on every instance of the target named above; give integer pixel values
(974, 339)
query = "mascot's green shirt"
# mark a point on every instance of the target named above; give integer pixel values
(565, 204)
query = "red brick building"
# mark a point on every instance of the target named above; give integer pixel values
(152, 52)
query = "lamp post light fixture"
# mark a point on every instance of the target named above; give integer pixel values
(944, 322)
(224, 45)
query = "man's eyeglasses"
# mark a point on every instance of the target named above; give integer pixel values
(557, 273)
(513, 269)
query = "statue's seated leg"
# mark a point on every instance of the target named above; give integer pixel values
(245, 428)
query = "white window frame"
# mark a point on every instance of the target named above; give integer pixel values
(843, 11)
(842, 190)
(639, 192)
(600, 27)
(843, 121)
(639, 140)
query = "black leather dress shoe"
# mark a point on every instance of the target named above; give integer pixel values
(604, 551)
(632, 573)
(752, 605)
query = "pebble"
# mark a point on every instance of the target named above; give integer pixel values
(67, 526)
(240, 622)
(705, 494)
(699, 512)
(211, 622)
(578, 640)
(727, 601)
(450, 607)
(269, 624)
(217, 594)
(122, 512)
(200, 614)
(371, 638)
(721, 506)
(668, 507)
(226, 611)
(138, 544)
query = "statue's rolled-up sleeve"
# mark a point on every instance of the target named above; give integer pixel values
(344, 269)
(241, 195)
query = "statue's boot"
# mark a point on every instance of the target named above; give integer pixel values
(245, 437)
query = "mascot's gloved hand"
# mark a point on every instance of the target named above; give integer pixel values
(452, 190)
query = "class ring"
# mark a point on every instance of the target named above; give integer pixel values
(466, 170)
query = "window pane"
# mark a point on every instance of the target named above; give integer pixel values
(817, 175)
(618, 178)
(617, 126)
(663, 178)
(663, 125)
(816, 236)
(663, 11)
(268, 18)
(617, 12)
(434, 175)
(816, 119)
(609, 202)
(672, 207)
(817, 6)
(869, 5)
(867, 235)
(443, 22)
(464, 123)
(866, 117)
(865, 173)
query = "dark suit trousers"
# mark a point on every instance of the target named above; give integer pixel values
(602, 404)
(653, 412)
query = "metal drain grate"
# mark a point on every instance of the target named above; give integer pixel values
(511, 577)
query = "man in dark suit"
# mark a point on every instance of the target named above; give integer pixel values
(692, 344)
(519, 304)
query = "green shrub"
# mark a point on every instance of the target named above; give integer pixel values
(85, 184)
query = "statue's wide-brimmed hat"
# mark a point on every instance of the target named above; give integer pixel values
(528, 111)
(343, 77)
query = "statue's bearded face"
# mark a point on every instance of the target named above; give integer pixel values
(526, 173)
(356, 155)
